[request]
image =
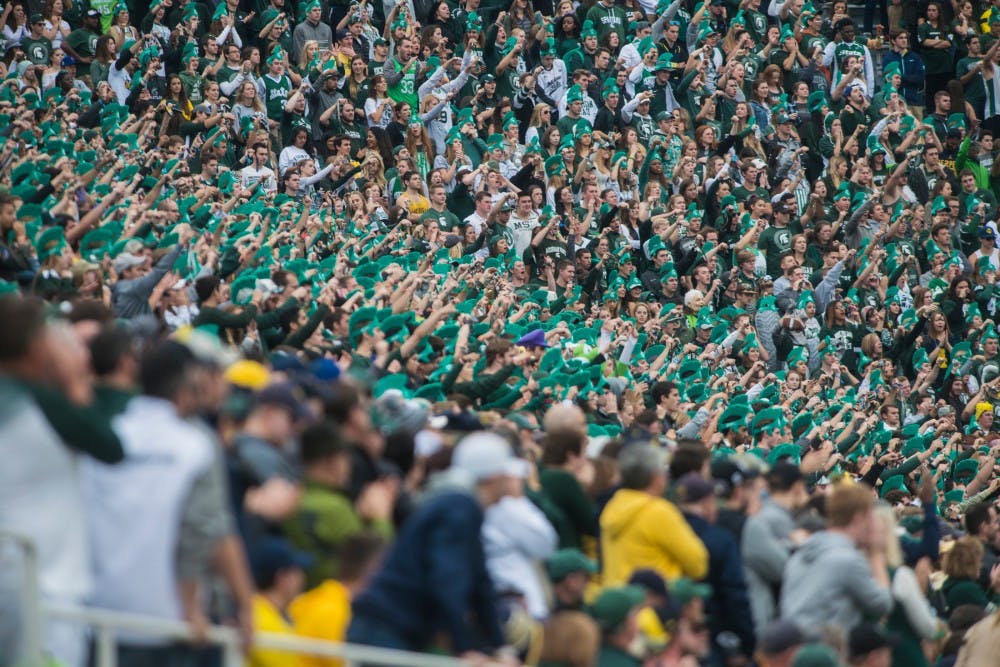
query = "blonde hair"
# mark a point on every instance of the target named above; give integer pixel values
(893, 549)
(536, 116)
(304, 59)
(964, 559)
(571, 638)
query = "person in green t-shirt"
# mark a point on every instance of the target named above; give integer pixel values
(838, 54)
(756, 22)
(345, 122)
(37, 46)
(438, 211)
(810, 36)
(751, 172)
(936, 49)
(776, 240)
(508, 70)
(380, 53)
(294, 116)
(106, 8)
(969, 71)
(82, 42)
(192, 81)
(607, 17)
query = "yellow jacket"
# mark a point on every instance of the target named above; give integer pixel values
(268, 619)
(640, 531)
(322, 613)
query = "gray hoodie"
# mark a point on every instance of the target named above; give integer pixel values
(766, 548)
(828, 582)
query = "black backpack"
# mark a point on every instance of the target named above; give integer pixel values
(939, 600)
(783, 343)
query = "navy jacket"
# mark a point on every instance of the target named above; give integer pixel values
(434, 581)
(729, 607)
(912, 66)
(930, 540)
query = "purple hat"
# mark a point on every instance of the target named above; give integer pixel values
(534, 338)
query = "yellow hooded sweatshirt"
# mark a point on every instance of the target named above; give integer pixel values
(640, 531)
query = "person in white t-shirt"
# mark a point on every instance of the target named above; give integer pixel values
(142, 543)
(121, 71)
(523, 223)
(484, 202)
(258, 171)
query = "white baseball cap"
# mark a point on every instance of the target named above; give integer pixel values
(126, 261)
(483, 455)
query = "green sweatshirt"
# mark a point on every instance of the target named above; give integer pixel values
(326, 518)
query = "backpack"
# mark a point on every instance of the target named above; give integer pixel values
(939, 600)
(783, 342)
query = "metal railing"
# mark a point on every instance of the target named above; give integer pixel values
(30, 598)
(106, 626)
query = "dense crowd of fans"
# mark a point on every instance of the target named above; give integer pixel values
(550, 333)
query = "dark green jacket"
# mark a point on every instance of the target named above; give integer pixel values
(578, 515)
(111, 401)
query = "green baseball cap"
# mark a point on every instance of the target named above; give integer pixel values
(683, 590)
(565, 562)
(614, 605)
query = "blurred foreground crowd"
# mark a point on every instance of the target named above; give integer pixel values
(615, 332)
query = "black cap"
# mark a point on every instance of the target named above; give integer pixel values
(321, 441)
(272, 555)
(730, 473)
(283, 395)
(780, 636)
(783, 475)
(654, 584)
(461, 422)
(865, 638)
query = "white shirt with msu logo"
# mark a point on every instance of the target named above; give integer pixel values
(523, 230)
